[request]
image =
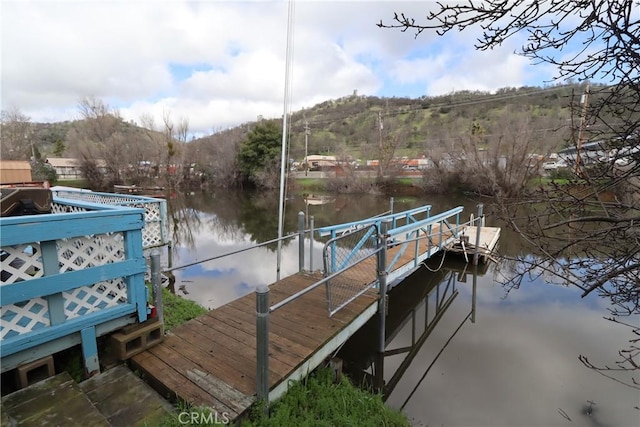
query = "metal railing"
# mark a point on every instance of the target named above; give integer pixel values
(408, 217)
(346, 251)
(413, 233)
(263, 309)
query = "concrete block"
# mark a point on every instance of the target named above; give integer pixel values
(136, 338)
(38, 370)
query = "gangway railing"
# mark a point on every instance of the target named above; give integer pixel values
(435, 230)
(343, 278)
(408, 216)
(414, 233)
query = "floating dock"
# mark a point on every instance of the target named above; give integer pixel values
(466, 242)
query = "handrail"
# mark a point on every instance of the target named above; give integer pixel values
(289, 236)
(324, 231)
(408, 228)
(319, 283)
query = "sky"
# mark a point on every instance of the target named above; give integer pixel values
(222, 63)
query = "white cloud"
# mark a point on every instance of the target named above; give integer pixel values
(127, 53)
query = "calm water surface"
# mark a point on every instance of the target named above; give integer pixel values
(510, 359)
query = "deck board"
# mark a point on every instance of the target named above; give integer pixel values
(214, 354)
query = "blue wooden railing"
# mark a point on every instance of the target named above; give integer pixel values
(69, 277)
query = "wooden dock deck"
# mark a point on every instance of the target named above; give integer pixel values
(211, 360)
(489, 237)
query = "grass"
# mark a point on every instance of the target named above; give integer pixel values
(537, 181)
(178, 310)
(310, 184)
(318, 401)
(76, 183)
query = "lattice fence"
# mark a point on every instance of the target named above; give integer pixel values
(155, 232)
(24, 317)
(24, 262)
(355, 253)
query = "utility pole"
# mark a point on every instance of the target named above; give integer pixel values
(583, 122)
(306, 147)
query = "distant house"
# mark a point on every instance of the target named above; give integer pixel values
(316, 162)
(14, 171)
(66, 168)
(69, 168)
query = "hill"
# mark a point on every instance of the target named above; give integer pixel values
(356, 125)
(512, 120)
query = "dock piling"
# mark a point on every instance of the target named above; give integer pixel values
(311, 229)
(262, 344)
(300, 241)
(479, 229)
(382, 281)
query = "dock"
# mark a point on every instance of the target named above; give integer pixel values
(466, 243)
(211, 361)
(249, 349)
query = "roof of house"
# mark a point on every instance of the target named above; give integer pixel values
(15, 165)
(60, 162)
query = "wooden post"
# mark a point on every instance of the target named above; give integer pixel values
(262, 344)
(90, 351)
(300, 241)
(156, 284)
(478, 230)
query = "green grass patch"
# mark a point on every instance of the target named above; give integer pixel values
(176, 310)
(318, 401)
(310, 184)
(541, 180)
(75, 183)
(407, 180)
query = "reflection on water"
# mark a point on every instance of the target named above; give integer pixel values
(516, 365)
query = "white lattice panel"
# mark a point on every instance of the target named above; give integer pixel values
(21, 318)
(60, 208)
(152, 233)
(21, 262)
(152, 212)
(89, 251)
(87, 299)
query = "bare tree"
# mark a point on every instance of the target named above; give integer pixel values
(153, 140)
(219, 154)
(175, 137)
(585, 233)
(102, 142)
(15, 135)
(496, 157)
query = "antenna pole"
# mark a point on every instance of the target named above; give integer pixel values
(283, 151)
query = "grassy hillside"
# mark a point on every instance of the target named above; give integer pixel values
(358, 125)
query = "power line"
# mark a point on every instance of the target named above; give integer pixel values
(492, 98)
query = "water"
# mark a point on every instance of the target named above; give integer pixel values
(510, 359)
